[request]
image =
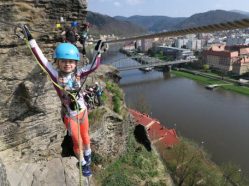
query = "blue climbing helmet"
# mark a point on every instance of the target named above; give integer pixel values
(74, 24)
(66, 51)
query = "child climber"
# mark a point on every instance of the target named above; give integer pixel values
(67, 84)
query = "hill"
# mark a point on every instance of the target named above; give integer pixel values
(108, 25)
(160, 23)
(153, 23)
(210, 17)
(240, 12)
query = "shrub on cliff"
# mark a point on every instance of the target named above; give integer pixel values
(117, 96)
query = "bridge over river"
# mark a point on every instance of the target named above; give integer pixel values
(146, 61)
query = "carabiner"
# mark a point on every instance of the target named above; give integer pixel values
(18, 31)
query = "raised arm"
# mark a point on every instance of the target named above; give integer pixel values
(84, 71)
(100, 48)
(41, 59)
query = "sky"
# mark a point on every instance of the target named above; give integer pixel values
(171, 8)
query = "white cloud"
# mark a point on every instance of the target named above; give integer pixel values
(134, 2)
(218, 6)
(117, 4)
(103, 1)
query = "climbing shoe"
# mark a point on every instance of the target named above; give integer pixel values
(86, 170)
(88, 159)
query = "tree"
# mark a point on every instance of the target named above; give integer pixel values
(205, 67)
(189, 166)
(151, 52)
(233, 175)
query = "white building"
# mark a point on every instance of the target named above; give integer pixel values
(176, 53)
(194, 44)
(181, 42)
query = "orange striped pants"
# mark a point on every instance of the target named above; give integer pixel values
(73, 129)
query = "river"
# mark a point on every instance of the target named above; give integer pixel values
(218, 119)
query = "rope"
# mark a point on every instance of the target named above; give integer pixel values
(244, 23)
(80, 145)
(87, 74)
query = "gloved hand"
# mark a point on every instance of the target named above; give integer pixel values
(101, 46)
(98, 45)
(26, 32)
(105, 47)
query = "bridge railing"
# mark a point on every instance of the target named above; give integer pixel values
(143, 62)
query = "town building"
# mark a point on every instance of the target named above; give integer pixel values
(181, 43)
(130, 45)
(194, 44)
(146, 44)
(233, 59)
(175, 53)
(237, 41)
(242, 66)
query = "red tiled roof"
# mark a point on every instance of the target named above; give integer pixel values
(169, 141)
(154, 128)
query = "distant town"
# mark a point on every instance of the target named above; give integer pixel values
(224, 51)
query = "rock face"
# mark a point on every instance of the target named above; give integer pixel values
(3, 176)
(31, 130)
(51, 10)
(40, 15)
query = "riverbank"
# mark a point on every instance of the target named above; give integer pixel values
(207, 81)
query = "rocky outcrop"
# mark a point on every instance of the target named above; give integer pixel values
(3, 176)
(108, 134)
